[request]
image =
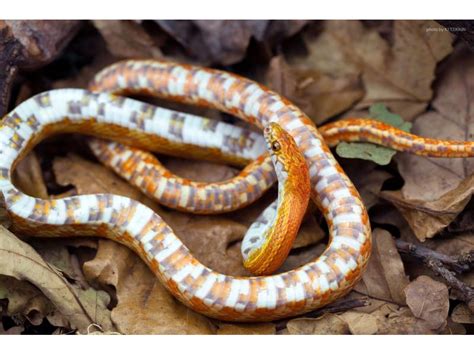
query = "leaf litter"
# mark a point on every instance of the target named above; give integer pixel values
(397, 71)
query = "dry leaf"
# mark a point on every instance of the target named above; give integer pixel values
(209, 239)
(89, 178)
(57, 253)
(399, 75)
(199, 170)
(225, 41)
(144, 306)
(428, 218)
(462, 314)
(360, 323)
(29, 178)
(454, 328)
(81, 308)
(385, 276)
(246, 329)
(127, 39)
(399, 320)
(319, 95)
(24, 299)
(428, 300)
(328, 324)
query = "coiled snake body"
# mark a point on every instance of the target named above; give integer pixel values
(258, 298)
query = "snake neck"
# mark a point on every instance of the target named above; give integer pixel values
(268, 241)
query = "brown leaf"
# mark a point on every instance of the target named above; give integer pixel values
(462, 314)
(399, 75)
(24, 299)
(144, 306)
(385, 276)
(199, 170)
(319, 95)
(89, 178)
(217, 41)
(127, 39)
(392, 319)
(454, 328)
(56, 253)
(29, 178)
(328, 324)
(209, 239)
(246, 329)
(428, 218)
(225, 41)
(385, 319)
(80, 307)
(428, 300)
(361, 323)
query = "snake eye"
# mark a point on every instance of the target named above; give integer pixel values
(276, 146)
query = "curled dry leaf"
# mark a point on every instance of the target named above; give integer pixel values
(399, 74)
(426, 218)
(24, 299)
(81, 308)
(385, 276)
(428, 300)
(127, 39)
(57, 254)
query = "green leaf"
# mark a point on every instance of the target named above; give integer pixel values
(369, 151)
(380, 113)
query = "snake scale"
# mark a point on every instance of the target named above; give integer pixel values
(257, 298)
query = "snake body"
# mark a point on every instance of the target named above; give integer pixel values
(221, 296)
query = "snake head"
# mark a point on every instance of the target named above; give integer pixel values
(286, 155)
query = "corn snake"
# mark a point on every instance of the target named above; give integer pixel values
(233, 298)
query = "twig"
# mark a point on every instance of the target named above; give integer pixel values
(466, 293)
(441, 263)
(459, 264)
(341, 306)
